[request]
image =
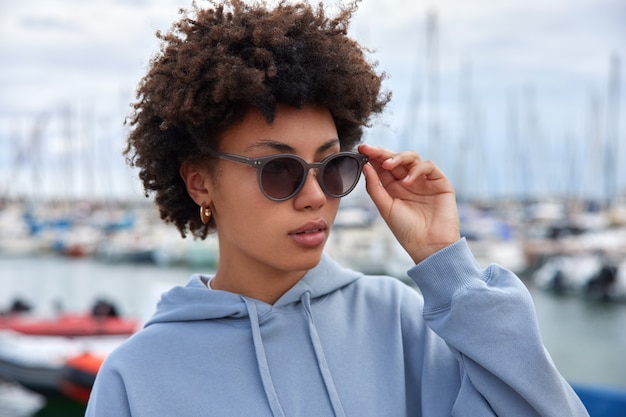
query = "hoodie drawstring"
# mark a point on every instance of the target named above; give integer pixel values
(266, 378)
(321, 359)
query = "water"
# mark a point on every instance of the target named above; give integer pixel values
(587, 340)
(48, 282)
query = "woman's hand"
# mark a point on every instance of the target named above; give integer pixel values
(415, 199)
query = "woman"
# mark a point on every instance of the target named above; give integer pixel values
(249, 115)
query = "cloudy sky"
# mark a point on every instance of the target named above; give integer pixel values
(501, 94)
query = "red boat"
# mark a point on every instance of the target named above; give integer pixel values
(70, 325)
(102, 320)
(78, 375)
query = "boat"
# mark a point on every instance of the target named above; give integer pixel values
(78, 375)
(70, 325)
(37, 361)
(103, 319)
(588, 275)
(35, 352)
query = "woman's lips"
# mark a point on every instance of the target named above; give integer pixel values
(311, 234)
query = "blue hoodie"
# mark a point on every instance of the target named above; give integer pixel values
(339, 343)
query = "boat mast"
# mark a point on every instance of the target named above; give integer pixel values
(433, 128)
(611, 149)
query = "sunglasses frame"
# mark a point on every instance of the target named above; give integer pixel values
(261, 162)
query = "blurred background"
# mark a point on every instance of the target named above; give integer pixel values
(522, 103)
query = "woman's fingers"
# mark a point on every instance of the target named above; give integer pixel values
(390, 166)
(406, 169)
(414, 197)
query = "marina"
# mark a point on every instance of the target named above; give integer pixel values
(587, 339)
(62, 261)
(530, 135)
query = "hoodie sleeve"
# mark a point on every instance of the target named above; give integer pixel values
(487, 319)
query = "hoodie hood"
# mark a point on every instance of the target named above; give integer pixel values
(195, 302)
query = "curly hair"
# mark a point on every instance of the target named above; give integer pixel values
(217, 63)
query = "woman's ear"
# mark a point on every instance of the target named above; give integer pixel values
(197, 181)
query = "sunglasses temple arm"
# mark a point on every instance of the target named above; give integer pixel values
(234, 158)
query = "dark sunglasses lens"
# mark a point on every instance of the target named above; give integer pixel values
(341, 175)
(281, 177)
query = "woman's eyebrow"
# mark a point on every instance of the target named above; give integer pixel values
(271, 144)
(329, 144)
(282, 147)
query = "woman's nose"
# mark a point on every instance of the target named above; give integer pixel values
(311, 195)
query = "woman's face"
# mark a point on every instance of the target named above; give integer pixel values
(257, 234)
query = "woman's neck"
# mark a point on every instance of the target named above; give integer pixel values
(263, 285)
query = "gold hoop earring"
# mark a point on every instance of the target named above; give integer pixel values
(205, 214)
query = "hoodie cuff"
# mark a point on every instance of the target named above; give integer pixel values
(446, 273)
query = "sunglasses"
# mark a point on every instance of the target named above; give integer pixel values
(282, 176)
